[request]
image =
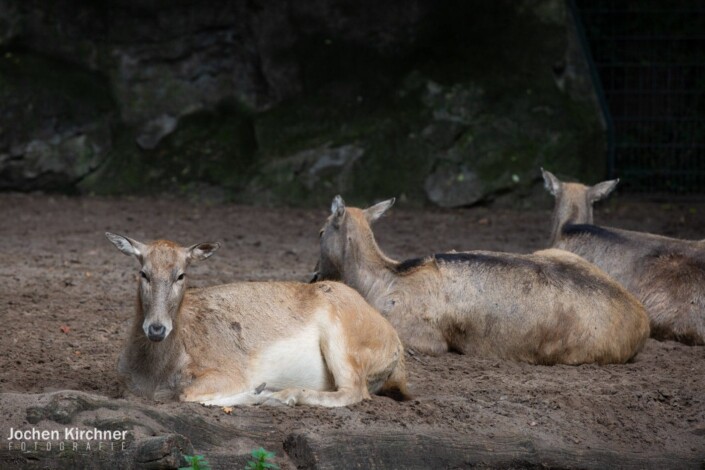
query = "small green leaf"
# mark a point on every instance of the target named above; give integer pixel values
(196, 462)
(261, 463)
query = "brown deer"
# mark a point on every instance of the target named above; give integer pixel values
(666, 274)
(549, 307)
(318, 344)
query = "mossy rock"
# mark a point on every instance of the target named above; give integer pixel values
(478, 111)
(207, 150)
(379, 133)
(472, 107)
(55, 122)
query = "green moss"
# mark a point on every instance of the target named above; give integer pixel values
(207, 148)
(496, 112)
(392, 162)
(510, 116)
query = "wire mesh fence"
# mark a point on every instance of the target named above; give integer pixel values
(650, 59)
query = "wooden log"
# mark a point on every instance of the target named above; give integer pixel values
(162, 452)
(379, 450)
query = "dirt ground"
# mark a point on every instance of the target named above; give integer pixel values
(66, 300)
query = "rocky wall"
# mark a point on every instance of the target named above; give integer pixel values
(283, 102)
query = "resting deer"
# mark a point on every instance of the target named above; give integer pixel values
(319, 344)
(545, 308)
(666, 274)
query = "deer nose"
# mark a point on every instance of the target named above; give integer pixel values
(156, 332)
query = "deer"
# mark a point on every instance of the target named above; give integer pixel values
(248, 343)
(549, 307)
(666, 274)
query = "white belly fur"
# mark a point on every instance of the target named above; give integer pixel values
(293, 362)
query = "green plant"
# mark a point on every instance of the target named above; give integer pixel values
(196, 462)
(261, 457)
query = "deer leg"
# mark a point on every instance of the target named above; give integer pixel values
(350, 377)
(213, 387)
(299, 396)
(250, 397)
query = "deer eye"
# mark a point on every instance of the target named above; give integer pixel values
(320, 234)
(144, 276)
(181, 277)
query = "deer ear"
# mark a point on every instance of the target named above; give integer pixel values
(602, 190)
(127, 245)
(337, 209)
(201, 251)
(375, 212)
(550, 182)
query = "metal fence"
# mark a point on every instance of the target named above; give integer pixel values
(650, 59)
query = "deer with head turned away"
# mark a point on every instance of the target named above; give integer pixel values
(550, 307)
(252, 342)
(666, 274)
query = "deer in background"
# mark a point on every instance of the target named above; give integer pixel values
(550, 307)
(319, 344)
(666, 274)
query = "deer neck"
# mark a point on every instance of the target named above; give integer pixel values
(366, 269)
(568, 211)
(159, 360)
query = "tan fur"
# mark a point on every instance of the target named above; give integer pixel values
(227, 340)
(545, 308)
(666, 274)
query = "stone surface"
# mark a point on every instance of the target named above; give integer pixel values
(446, 101)
(324, 170)
(454, 187)
(55, 123)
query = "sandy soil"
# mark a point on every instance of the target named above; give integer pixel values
(66, 299)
